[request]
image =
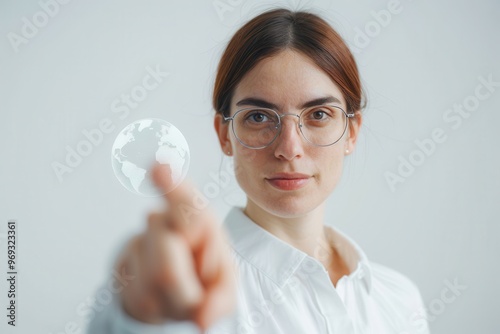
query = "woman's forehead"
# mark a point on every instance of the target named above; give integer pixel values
(286, 77)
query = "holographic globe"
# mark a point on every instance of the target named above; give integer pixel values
(142, 144)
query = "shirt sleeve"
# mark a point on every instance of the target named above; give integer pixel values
(112, 319)
(419, 319)
(400, 299)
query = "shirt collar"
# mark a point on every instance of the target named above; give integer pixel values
(277, 259)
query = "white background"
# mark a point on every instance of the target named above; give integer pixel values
(439, 225)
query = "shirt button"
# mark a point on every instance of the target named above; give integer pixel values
(309, 265)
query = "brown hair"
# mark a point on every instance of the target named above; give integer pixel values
(278, 29)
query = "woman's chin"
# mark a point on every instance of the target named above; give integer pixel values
(288, 206)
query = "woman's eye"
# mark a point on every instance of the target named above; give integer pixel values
(319, 114)
(258, 117)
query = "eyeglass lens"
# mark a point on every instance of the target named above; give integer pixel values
(320, 125)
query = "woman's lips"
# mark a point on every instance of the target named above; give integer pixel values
(288, 184)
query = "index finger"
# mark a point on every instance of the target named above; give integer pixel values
(186, 204)
(161, 175)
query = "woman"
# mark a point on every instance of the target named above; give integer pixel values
(288, 103)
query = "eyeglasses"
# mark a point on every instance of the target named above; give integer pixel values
(320, 125)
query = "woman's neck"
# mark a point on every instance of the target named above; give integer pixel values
(305, 232)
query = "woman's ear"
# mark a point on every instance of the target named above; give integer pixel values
(353, 133)
(222, 129)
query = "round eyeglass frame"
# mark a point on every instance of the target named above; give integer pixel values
(350, 115)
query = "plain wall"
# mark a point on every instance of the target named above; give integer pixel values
(440, 223)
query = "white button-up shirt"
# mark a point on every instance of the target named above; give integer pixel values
(282, 290)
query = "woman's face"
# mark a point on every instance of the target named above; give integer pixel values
(287, 80)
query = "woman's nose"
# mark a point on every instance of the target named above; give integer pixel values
(290, 140)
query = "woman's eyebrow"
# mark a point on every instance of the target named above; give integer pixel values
(265, 104)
